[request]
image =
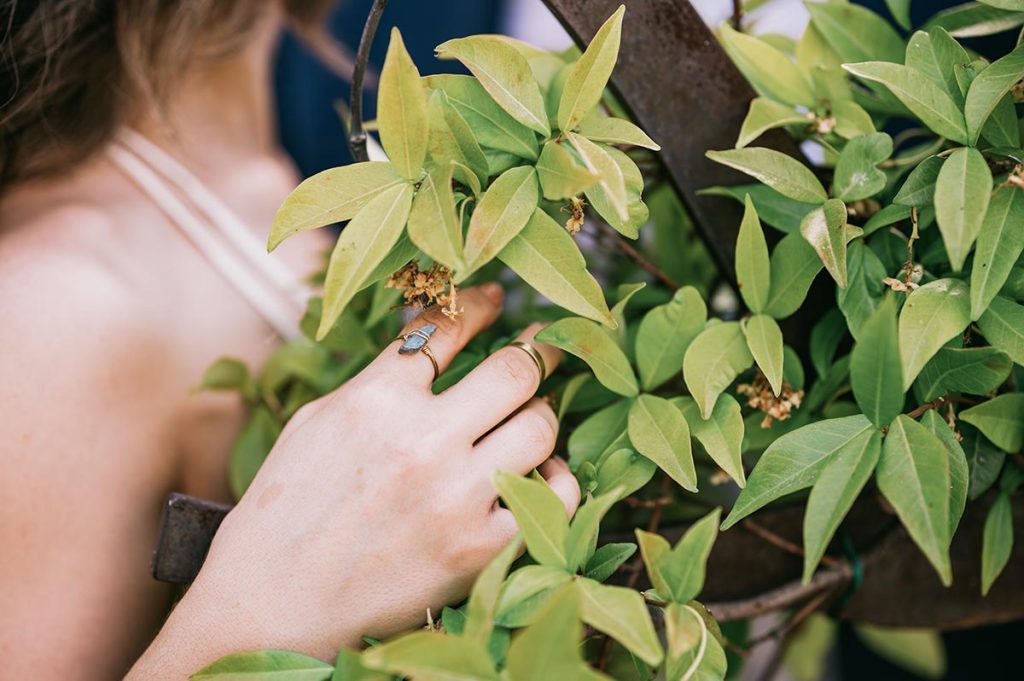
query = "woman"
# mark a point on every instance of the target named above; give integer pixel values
(137, 137)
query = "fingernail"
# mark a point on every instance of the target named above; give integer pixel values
(493, 291)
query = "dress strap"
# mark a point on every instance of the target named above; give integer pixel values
(259, 291)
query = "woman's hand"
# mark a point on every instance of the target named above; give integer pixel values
(376, 503)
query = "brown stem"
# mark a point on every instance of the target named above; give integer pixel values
(790, 625)
(356, 134)
(737, 13)
(635, 255)
(782, 597)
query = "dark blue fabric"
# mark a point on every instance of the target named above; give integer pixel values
(306, 92)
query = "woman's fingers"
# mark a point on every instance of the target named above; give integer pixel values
(481, 306)
(521, 444)
(502, 383)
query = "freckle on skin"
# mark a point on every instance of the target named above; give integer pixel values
(269, 495)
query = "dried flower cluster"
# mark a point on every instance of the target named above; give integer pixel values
(575, 209)
(776, 408)
(423, 288)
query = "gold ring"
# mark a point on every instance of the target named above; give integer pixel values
(416, 341)
(537, 358)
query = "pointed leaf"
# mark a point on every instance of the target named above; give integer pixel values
(764, 339)
(664, 335)
(794, 265)
(581, 541)
(793, 462)
(828, 233)
(432, 656)
(919, 187)
(621, 613)
(526, 592)
(331, 196)
(266, 665)
(997, 541)
(959, 474)
(685, 566)
(483, 599)
(611, 179)
(433, 225)
(768, 69)
(713, 360)
(845, 26)
(452, 141)
(612, 130)
(1000, 419)
(782, 173)
(624, 470)
(924, 98)
(721, 435)
(589, 342)
(1003, 326)
(988, 87)
(505, 74)
(658, 431)
(550, 647)
(962, 194)
(913, 475)
(402, 110)
(841, 480)
(506, 207)
(540, 515)
(361, 247)
(607, 559)
(765, 114)
(975, 371)
(875, 369)
(654, 549)
(919, 651)
(753, 271)
(857, 175)
(560, 176)
(587, 78)
(1000, 244)
(933, 314)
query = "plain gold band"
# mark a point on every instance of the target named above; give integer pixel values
(537, 358)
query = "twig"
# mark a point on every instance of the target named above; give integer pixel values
(356, 134)
(790, 625)
(755, 528)
(737, 13)
(635, 255)
(782, 597)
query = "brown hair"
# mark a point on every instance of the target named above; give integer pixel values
(71, 70)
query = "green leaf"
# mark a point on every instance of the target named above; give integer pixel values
(827, 231)
(502, 213)
(250, 449)
(505, 74)
(664, 335)
(851, 119)
(1000, 244)
(548, 259)
(226, 373)
(997, 543)
(919, 187)
(597, 433)
(782, 173)
(623, 469)
(875, 369)
(846, 28)
(1001, 128)
(782, 213)
(612, 130)
(1000, 419)
(764, 339)
(843, 477)
(402, 110)
(331, 196)
(361, 247)
(540, 515)
(549, 648)
(768, 69)
(713, 360)
(607, 559)
(654, 549)
(721, 435)
(765, 114)
(938, 56)
(348, 666)
(924, 98)
(959, 474)
(453, 142)
(753, 269)
(794, 265)
(492, 125)
(864, 289)
(913, 475)
(483, 599)
(975, 371)
(794, 461)
(971, 20)
(581, 541)
(919, 651)
(432, 656)
(636, 211)
(857, 175)
(621, 613)
(433, 225)
(1003, 326)
(900, 10)
(988, 87)
(589, 342)
(265, 665)
(587, 78)
(984, 461)
(931, 316)
(658, 431)
(962, 194)
(560, 177)
(684, 567)
(611, 180)
(526, 592)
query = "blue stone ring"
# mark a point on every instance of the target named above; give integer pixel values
(416, 341)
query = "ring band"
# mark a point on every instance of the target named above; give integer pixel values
(537, 358)
(417, 341)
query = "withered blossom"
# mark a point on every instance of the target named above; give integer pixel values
(423, 288)
(760, 396)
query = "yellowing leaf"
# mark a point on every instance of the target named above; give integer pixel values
(587, 78)
(589, 342)
(612, 130)
(764, 339)
(769, 70)
(361, 247)
(713, 360)
(611, 179)
(828, 233)
(331, 196)
(721, 435)
(432, 655)
(506, 207)
(658, 431)
(782, 173)
(505, 74)
(265, 664)
(765, 114)
(540, 515)
(621, 613)
(664, 334)
(433, 225)
(560, 176)
(402, 110)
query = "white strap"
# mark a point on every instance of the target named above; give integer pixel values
(264, 299)
(219, 214)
